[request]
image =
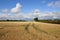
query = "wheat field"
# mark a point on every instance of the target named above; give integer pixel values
(29, 31)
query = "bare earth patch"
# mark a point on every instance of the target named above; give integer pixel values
(29, 31)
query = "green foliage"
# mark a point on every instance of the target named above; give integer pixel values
(35, 19)
(50, 21)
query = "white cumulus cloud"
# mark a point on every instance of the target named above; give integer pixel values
(4, 10)
(54, 4)
(17, 8)
(36, 12)
(31, 15)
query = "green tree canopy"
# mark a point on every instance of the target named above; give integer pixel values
(35, 19)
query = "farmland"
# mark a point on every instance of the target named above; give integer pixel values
(50, 21)
(29, 31)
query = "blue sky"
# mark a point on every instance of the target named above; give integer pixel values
(28, 5)
(24, 8)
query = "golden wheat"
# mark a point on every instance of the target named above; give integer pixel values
(29, 31)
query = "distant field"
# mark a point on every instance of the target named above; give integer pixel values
(29, 31)
(50, 21)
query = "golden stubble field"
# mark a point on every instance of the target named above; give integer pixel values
(29, 31)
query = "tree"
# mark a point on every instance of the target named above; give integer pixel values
(36, 19)
(7, 20)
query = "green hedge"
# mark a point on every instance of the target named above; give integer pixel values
(50, 21)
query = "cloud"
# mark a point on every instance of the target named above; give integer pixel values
(30, 16)
(52, 15)
(50, 4)
(54, 4)
(16, 9)
(43, 1)
(4, 10)
(36, 12)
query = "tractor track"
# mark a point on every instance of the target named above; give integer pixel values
(36, 29)
(26, 28)
(42, 31)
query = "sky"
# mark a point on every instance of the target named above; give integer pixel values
(29, 9)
